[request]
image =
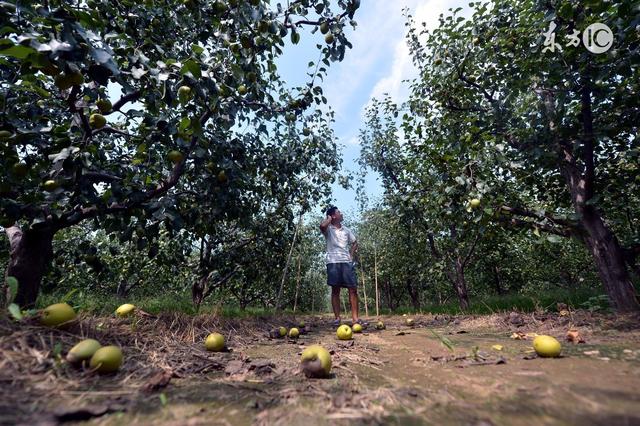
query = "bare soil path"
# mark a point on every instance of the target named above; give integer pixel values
(443, 370)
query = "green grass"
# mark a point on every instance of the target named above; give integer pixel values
(583, 299)
(106, 305)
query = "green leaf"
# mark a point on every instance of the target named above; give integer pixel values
(14, 310)
(12, 283)
(163, 399)
(67, 296)
(57, 350)
(554, 239)
(192, 67)
(18, 52)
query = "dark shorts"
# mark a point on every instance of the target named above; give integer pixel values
(341, 275)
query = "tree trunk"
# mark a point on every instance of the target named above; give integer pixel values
(414, 293)
(461, 285)
(498, 284)
(609, 258)
(31, 252)
(580, 179)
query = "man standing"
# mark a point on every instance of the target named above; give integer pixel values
(340, 266)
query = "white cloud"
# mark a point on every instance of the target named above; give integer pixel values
(376, 34)
(402, 67)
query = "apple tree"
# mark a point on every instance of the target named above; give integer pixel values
(559, 126)
(142, 115)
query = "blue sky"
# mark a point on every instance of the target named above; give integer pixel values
(376, 65)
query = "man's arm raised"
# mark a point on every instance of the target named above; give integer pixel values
(325, 224)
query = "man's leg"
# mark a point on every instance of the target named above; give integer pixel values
(335, 300)
(353, 299)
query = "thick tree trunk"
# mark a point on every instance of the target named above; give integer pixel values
(30, 254)
(610, 261)
(414, 293)
(580, 179)
(461, 285)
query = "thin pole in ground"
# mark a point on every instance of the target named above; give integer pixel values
(364, 291)
(375, 274)
(286, 265)
(295, 300)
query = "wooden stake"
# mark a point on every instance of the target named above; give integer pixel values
(364, 290)
(375, 275)
(286, 265)
(295, 300)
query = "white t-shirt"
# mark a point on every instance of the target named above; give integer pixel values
(338, 240)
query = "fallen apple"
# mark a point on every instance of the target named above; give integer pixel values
(83, 351)
(57, 314)
(344, 332)
(547, 346)
(316, 361)
(107, 359)
(214, 342)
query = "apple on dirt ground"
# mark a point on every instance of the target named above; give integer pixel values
(57, 314)
(547, 346)
(214, 342)
(316, 361)
(107, 359)
(344, 332)
(125, 310)
(83, 351)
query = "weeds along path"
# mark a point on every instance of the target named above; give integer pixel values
(443, 370)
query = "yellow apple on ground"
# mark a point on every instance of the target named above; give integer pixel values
(380, 325)
(107, 359)
(83, 351)
(357, 328)
(214, 342)
(294, 333)
(409, 322)
(124, 310)
(316, 361)
(547, 346)
(282, 331)
(57, 314)
(344, 332)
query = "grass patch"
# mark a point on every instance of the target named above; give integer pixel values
(107, 304)
(590, 299)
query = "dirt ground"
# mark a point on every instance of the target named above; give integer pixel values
(443, 370)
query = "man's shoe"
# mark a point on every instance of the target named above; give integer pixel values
(362, 322)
